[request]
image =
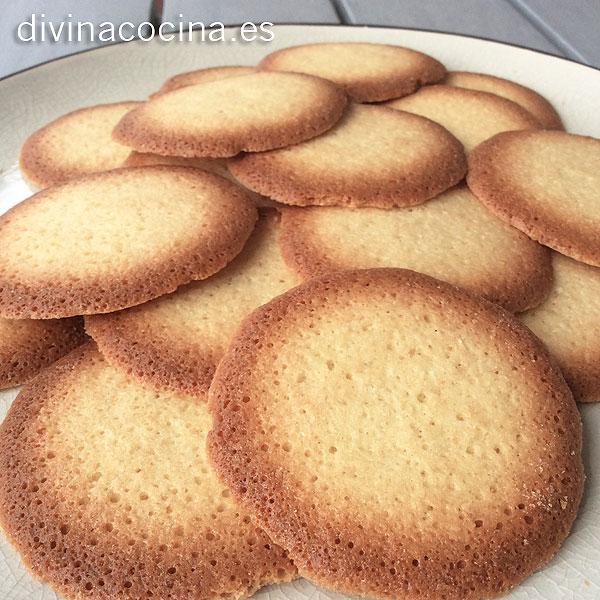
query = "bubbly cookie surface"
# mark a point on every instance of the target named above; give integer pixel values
(400, 437)
(112, 495)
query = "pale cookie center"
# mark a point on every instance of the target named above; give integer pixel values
(395, 415)
(560, 177)
(567, 321)
(85, 231)
(465, 243)
(134, 457)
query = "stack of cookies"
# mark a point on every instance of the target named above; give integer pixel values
(326, 317)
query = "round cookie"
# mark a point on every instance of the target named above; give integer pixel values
(546, 184)
(123, 502)
(28, 345)
(470, 115)
(368, 72)
(75, 144)
(202, 76)
(112, 240)
(176, 341)
(530, 100)
(452, 238)
(567, 322)
(374, 157)
(221, 118)
(400, 437)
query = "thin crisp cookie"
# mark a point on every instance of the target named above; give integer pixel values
(368, 72)
(382, 426)
(112, 240)
(374, 156)
(472, 116)
(221, 118)
(529, 99)
(75, 144)
(567, 322)
(29, 345)
(546, 184)
(176, 341)
(108, 497)
(451, 237)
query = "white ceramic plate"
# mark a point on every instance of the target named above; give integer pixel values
(134, 70)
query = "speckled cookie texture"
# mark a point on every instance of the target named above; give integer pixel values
(451, 237)
(221, 118)
(567, 322)
(176, 341)
(202, 76)
(29, 345)
(375, 156)
(529, 99)
(472, 116)
(123, 502)
(116, 239)
(368, 72)
(75, 144)
(546, 184)
(400, 437)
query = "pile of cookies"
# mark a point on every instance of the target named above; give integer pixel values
(326, 317)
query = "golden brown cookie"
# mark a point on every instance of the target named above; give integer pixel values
(470, 115)
(112, 240)
(451, 237)
(546, 184)
(374, 157)
(368, 72)
(567, 322)
(530, 100)
(221, 118)
(106, 492)
(28, 345)
(202, 76)
(75, 144)
(400, 437)
(176, 341)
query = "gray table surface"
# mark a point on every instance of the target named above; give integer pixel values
(567, 28)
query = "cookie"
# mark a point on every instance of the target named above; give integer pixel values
(470, 115)
(113, 496)
(221, 118)
(452, 238)
(567, 322)
(75, 144)
(546, 184)
(112, 240)
(531, 101)
(375, 156)
(398, 436)
(368, 72)
(28, 345)
(176, 341)
(201, 76)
